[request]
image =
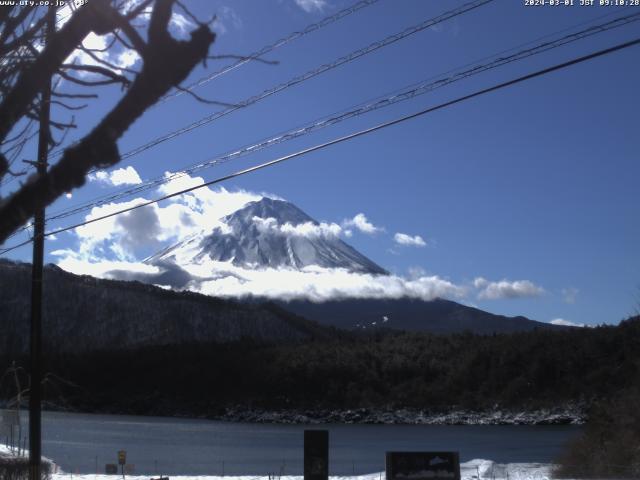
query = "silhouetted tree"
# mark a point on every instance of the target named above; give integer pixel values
(27, 63)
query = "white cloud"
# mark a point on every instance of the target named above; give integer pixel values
(101, 268)
(416, 272)
(312, 5)
(569, 294)
(112, 247)
(119, 56)
(103, 239)
(226, 19)
(312, 283)
(362, 223)
(116, 178)
(307, 229)
(566, 323)
(322, 229)
(318, 284)
(506, 289)
(180, 26)
(142, 227)
(408, 240)
(124, 237)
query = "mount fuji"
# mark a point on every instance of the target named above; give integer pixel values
(268, 233)
(272, 239)
(277, 273)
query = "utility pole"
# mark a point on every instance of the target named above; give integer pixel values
(35, 389)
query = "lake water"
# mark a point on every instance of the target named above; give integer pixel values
(80, 442)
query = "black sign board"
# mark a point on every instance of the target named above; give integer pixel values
(316, 455)
(423, 466)
(111, 469)
(122, 457)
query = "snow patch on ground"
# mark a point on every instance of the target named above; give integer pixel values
(477, 469)
(6, 452)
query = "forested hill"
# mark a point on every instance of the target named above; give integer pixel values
(526, 370)
(85, 313)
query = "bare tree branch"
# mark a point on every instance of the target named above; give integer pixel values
(18, 135)
(106, 48)
(74, 95)
(87, 83)
(56, 143)
(188, 13)
(4, 165)
(88, 18)
(204, 100)
(99, 147)
(108, 64)
(137, 10)
(69, 107)
(24, 37)
(116, 77)
(243, 57)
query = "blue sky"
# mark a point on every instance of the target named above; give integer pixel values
(534, 184)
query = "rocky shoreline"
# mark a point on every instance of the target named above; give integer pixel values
(571, 415)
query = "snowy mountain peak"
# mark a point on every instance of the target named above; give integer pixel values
(270, 233)
(282, 211)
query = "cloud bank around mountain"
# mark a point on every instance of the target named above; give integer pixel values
(114, 248)
(317, 284)
(505, 289)
(566, 323)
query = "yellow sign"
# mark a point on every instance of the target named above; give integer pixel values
(122, 457)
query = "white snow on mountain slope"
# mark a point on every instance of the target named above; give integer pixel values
(242, 243)
(271, 248)
(269, 234)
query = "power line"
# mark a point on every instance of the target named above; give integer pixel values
(378, 103)
(270, 48)
(345, 138)
(263, 51)
(310, 74)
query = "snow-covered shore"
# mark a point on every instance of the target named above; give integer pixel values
(472, 470)
(8, 453)
(477, 469)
